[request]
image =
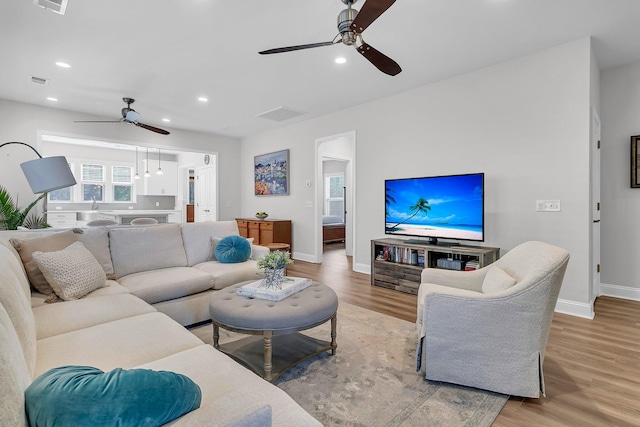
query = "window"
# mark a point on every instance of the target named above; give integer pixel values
(334, 195)
(92, 177)
(63, 194)
(121, 177)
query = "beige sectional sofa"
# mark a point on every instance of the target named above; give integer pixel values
(164, 276)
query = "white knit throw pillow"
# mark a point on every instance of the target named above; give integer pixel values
(72, 272)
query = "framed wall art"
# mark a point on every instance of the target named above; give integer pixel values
(271, 174)
(635, 161)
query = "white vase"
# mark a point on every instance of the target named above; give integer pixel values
(273, 278)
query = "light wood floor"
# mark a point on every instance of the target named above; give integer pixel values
(592, 367)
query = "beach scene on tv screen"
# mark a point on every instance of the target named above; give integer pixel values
(442, 207)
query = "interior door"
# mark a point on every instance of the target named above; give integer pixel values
(595, 197)
(206, 194)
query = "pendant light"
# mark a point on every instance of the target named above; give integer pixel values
(137, 176)
(146, 173)
(159, 171)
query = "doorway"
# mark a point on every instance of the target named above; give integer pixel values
(335, 155)
(206, 197)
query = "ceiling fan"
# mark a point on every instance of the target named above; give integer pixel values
(129, 115)
(351, 24)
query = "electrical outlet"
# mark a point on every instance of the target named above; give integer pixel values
(548, 206)
(157, 204)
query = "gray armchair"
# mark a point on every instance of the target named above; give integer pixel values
(488, 328)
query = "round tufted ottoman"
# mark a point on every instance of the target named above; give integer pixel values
(276, 343)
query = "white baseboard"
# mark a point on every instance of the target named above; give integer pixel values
(617, 291)
(574, 308)
(362, 268)
(303, 257)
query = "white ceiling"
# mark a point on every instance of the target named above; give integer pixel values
(167, 53)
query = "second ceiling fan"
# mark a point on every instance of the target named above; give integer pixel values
(351, 24)
(130, 116)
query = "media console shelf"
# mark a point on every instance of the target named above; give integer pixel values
(397, 264)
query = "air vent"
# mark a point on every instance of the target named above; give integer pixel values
(280, 114)
(57, 6)
(39, 80)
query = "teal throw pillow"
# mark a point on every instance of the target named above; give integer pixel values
(87, 396)
(232, 249)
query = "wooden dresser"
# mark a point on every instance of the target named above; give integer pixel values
(265, 231)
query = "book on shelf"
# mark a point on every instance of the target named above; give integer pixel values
(471, 265)
(401, 255)
(290, 286)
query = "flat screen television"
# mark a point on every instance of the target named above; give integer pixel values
(436, 207)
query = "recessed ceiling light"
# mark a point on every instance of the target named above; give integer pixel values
(63, 64)
(340, 60)
(166, 120)
(52, 99)
(202, 99)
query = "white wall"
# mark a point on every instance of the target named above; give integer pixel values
(620, 98)
(525, 123)
(22, 122)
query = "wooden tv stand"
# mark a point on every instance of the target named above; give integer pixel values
(397, 264)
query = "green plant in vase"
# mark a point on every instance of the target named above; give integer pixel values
(273, 265)
(11, 217)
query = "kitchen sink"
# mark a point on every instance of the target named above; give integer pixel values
(86, 215)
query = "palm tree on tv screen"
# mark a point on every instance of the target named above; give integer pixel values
(420, 207)
(388, 199)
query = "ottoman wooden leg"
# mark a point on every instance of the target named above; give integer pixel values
(268, 351)
(216, 336)
(334, 323)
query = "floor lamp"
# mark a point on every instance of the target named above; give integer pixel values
(46, 173)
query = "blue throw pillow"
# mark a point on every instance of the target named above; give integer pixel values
(232, 249)
(86, 396)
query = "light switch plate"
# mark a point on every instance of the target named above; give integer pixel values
(548, 206)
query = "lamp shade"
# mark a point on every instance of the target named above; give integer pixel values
(48, 174)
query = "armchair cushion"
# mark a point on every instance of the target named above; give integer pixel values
(496, 280)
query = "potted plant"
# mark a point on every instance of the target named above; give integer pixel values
(11, 217)
(273, 265)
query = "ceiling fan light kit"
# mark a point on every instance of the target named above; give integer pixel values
(351, 24)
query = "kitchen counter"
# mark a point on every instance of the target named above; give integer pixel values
(119, 211)
(80, 218)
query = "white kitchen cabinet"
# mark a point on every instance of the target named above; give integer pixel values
(175, 217)
(161, 185)
(61, 219)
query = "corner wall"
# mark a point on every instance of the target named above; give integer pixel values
(620, 97)
(525, 123)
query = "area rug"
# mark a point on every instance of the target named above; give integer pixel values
(371, 381)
